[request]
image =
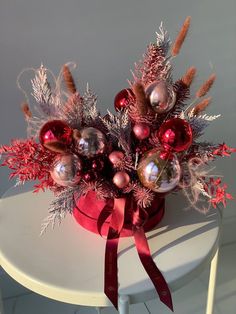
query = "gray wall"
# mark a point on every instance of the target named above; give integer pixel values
(105, 38)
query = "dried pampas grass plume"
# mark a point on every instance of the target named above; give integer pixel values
(206, 86)
(201, 106)
(26, 110)
(181, 37)
(68, 79)
(141, 101)
(189, 76)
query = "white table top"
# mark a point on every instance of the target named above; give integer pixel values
(67, 264)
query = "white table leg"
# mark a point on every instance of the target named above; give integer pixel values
(99, 310)
(212, 284)
(123, 304)
(1, 303)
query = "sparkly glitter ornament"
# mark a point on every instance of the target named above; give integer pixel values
(157, 174)
(116, 156)
(91, 142)
(141, 131)
(161, 96)
(66, 170)
(56, 132)
(121, 179)
(121, 100)
(175, 134)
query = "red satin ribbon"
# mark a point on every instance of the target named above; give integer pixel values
(152, 270)
(111, 269)
(117, 227)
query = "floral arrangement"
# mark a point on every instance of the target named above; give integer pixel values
(114, 171)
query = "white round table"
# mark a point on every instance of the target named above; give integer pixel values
(67, 264)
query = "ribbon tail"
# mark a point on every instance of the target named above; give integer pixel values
(152, 270)
(111, 264)
(111, 269)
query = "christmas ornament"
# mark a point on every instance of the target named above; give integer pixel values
(92, 142)
(141, 131)
(55, 132)
(66, 170)
(161, 96)
(121, 179)
(116, 156)
(157, 174)
(121, 100)
(175, 134)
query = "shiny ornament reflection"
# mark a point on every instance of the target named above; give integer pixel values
(55, 131)
(141, 131)
(66, 170)
(175, 134)
(91, 142)
(161, 96)
(159, 174)
(121, 100)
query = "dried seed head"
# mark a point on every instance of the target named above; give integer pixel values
(189, 76)
(68, 79)
(181, 37)
(203, 90)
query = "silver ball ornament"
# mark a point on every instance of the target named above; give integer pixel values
(158, 173)
(91, 142)
(66, 169)
(161, 96)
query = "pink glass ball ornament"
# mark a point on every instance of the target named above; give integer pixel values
(66, 170)
(161, 96)
(141, 131)
(121, 179)
(91, 142)
(158, 174)
(175, 134)
(116, 156)
(121, 100)
(55, 131)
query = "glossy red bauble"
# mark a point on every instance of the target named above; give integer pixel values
(175, 135)
(55, 131)
(141, 131)
(121, 100)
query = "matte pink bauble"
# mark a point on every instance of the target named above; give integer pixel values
(55, 131)
(66, 170)
(116, 156)
(121, 179)
(141, 131)
(175, 134)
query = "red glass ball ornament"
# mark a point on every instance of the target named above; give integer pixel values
(116, 156)
(175, 134)
(121, 179)
(121, 100)
(55, 131)
(141, 131)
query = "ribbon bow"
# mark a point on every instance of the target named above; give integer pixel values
(117, 218)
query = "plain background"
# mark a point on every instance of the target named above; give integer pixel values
(105, 38)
